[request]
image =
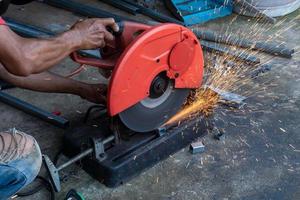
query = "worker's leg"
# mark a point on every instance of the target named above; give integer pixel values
(50, 82)
(20, 161)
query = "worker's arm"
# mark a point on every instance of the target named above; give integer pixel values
(22, 56)
(54, 83)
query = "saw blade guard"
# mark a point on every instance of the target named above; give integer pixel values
(168, 48)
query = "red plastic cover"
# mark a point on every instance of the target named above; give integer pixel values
(2, 22)
(168, 47)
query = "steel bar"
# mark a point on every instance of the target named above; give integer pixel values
(153, 14)
(4, 85)
(76, 158)
(223, 49)
(122, 6)
(244, 5)
(27, 30)
(84, 10)
(228, 96)
(83, 154)
(261, 70)
(33, 110)
(267, 47)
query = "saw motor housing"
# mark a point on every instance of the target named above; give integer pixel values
(139, 53)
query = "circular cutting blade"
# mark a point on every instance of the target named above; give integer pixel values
(156, 109)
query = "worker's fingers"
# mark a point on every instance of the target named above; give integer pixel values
(109, 22)
(103, 32)
(106, 21)
(102, 44)
(108, 36)
(115, 27)
(101, 28)
(98, 40)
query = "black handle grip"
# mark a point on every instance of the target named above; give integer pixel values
(118, 33)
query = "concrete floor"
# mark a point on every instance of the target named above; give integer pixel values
(259, 159)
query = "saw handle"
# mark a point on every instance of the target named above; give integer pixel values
(107, 64)
(94, 62)
(118, 33)
(128, 31)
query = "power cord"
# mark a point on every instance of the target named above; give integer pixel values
(44, 183)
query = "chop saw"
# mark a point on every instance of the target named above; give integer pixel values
(151, 72)
(152, 69)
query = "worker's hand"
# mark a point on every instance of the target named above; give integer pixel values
(95, 93)
(93, 33)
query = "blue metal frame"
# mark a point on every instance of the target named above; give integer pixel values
(199, 11)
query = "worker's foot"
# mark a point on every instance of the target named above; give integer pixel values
(95, 93)
(20, 161)
(15, 145)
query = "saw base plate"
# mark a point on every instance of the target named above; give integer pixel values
(134, 153)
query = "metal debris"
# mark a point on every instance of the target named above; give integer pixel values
(220, 135)
(197, 147)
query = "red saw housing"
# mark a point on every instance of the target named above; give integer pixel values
(139, 53)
